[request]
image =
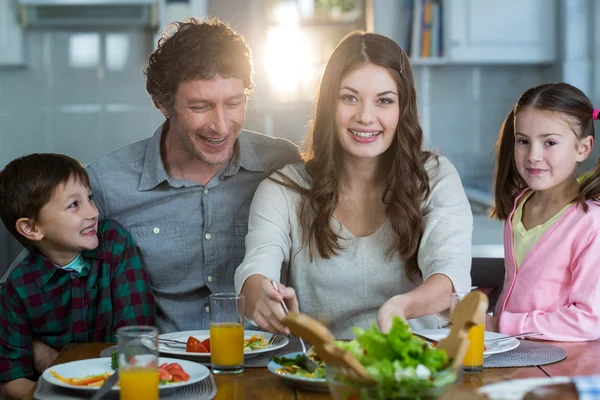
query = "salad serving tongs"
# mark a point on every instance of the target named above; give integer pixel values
(468, 313)
(310, 364)
(323, 343)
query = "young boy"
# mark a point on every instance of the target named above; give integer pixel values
(83, 278)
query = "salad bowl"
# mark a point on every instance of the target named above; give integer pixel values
(394, 365)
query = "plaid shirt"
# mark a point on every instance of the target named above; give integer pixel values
(588, 387)
(42, 301)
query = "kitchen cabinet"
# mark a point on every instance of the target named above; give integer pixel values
(11, 35)
(501, 31)
(471, 31)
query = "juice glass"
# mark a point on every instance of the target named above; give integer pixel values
(473, 361)
(138, 362)
(227, 333)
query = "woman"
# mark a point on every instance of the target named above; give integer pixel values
(370, 225)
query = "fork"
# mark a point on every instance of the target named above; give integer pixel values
(276, 339)
(172, 343)
(309, 363)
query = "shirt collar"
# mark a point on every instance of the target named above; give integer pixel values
(247, 157)
(154, 173)
(47, 268)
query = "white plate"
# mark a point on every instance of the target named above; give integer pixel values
(205, 334)
(315, 384)
(516, 389)
(96, 366)
(492, 347)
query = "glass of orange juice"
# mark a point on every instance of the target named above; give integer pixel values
(473, 361)
(227, 333)
(138, 362)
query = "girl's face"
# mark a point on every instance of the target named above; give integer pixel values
(367, 111)
(546, 149)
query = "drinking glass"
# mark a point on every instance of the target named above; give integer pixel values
(227, 333)
(473, 361)
(138, 362)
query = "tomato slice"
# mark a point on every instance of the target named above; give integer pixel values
(164, 375)
(195, 346)
(206, 343)
(179, 375)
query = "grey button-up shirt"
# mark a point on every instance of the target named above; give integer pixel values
(191, 237)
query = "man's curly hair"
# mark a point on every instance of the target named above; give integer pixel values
(192, 49)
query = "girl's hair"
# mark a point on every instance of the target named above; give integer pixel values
(568, 102)
(406, 182)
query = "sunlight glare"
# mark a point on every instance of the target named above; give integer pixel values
(289, 58)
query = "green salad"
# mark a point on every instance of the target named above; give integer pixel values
(296, 366)
(399, 362)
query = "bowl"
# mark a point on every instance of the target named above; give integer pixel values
(344, 388)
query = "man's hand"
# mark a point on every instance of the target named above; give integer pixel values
(43, 356)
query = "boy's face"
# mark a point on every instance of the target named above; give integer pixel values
(68, 223)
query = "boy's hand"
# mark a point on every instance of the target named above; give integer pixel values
(43, 356)
(17, 389)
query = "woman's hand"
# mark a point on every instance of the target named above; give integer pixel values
(263, 303)
(491, 323)
(432, 296)
(395, 306)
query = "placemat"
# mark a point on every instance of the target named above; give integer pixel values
(528, 354)
(206, 389)
(260, 361)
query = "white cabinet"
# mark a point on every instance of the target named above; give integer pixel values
(471, 31)
(11, 35)
(501, 31)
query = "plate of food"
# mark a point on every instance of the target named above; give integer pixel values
(291, 369)
(491, 342)
(197, 343)
(89, 375)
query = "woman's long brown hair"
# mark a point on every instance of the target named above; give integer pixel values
(567, 102)
(406, 180)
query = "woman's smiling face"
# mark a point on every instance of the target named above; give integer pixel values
(367, 111)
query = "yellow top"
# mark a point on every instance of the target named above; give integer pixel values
(523, 239)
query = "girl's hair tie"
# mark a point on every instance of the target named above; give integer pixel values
(595, 113)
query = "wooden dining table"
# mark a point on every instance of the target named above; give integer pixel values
(259, 383)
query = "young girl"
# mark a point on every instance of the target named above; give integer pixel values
(370, 225)
(552, 222)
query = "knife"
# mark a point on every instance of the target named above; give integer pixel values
(106, 386)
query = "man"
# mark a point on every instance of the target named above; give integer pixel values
(185, 192)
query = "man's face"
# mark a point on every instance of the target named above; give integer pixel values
(208, 117)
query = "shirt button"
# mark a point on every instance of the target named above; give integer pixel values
(207, 236)
(78, 324)
(207, 309)
(156, 230)
(209, 278)
(205, 191)
(77, 281)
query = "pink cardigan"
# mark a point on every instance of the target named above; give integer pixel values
(556, 290)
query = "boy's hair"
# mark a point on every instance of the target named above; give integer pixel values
(29, 182)
(568, 103)
(192, 49)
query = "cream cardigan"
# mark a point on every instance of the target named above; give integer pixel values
(347, 290)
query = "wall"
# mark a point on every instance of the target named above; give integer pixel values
(87, 105)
